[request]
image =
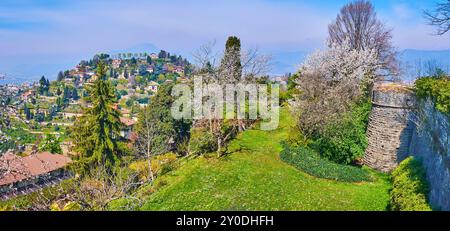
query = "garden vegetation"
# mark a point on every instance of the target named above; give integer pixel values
(438, 89)
(410, 188)
(309, 161)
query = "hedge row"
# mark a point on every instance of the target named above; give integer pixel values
(310, 162)
(410, 187)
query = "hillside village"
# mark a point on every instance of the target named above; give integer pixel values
(31, 112)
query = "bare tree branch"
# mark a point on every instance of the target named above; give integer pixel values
(440, 17)
(358, 23)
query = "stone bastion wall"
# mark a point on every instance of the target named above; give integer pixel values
(400, 126)
(431, 143)
(390, 129)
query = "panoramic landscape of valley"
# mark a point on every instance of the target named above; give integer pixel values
(231, 111)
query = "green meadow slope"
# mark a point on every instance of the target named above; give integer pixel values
(254, 178)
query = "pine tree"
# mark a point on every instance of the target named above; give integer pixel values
(96, 134)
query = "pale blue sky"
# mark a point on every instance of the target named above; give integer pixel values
(56, 33)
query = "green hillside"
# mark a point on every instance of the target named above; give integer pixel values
(253, 177)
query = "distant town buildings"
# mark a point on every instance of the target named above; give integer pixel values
(127, 129)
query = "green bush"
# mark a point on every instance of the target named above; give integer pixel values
(123, 204)
(310, 162)
(345, 140)
(295, 138)
(410, 188)
(438, 88)
(201, 142)
(160, 165)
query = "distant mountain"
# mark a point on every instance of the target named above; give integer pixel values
(421, 61)
(440, 56)
(285, 62)
(31, 68)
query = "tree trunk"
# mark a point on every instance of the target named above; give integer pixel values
(219, 147)
(152, 177)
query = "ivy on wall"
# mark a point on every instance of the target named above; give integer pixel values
(438, 88)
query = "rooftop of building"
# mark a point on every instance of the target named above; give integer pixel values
(15, 168)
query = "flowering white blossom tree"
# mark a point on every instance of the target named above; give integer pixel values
(342, 63)
(330, 81)
(235, 67)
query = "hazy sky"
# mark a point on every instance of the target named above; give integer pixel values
(39, 33)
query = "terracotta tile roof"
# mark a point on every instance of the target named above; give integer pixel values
(26, 94)
(133, 136)
(18, 168)
(128, 122)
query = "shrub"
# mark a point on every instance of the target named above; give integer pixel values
(160, 183)
(345, 140)
(201, 142)
(310, 162)
(51, 144)
(160, 164)
(438, 88)
(295, 137)
(410, 188)
(69, 206)
(123, 204)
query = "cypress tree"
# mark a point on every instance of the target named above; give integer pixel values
(231, 63)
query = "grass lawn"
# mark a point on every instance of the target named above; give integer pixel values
(254, 178)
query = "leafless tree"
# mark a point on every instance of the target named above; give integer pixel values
(255, 64)
(144, 143)
(234, 67)
(94, 191)
(358, 23)
(440, 17)
(205, 56)
(322, 101)
(97, 191)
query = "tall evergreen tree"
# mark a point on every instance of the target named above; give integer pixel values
(231, 67)
(75, 95)
(60, 76)
(26, 111)
(66, 95)
(96, 134)
(44, 85)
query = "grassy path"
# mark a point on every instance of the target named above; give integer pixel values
(254, 178)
